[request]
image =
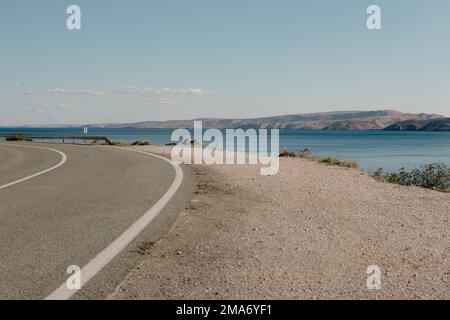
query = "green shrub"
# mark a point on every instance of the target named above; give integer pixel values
(287, 153)
(338, 162)
(434, 176)
(141, 143)
(305, 154)
(18, 137)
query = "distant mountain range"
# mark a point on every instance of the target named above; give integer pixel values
(421, 125)
(340, 120)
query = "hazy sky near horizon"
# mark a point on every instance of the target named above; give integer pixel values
(141, 60)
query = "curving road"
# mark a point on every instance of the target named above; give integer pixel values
(71, 210)
(17, 162)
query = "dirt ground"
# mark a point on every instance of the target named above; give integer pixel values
(309, 232)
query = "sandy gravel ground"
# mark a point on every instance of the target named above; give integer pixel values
(309, 232)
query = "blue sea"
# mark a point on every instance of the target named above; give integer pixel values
(371, 149)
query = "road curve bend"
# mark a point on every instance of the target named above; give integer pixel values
(94, 210)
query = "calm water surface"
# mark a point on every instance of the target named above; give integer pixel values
(372, 149)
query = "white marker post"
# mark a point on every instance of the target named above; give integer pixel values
(85, 131)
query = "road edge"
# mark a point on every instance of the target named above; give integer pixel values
(102, 259)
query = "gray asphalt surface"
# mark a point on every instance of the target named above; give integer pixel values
(67, 216)
(18, 162)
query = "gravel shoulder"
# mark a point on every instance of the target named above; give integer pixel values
(309, 232)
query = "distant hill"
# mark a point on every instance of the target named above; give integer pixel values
(340, 120)
(442, 124)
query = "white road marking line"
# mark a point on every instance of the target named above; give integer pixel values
(63, 160)
(111, 251)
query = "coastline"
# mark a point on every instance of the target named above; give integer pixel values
(371, 149)
(308, 232)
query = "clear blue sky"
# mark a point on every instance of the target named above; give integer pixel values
(154, 60)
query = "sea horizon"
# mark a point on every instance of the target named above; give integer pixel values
(372, 149)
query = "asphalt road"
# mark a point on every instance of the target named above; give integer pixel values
(16, 163)
(68, 215)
